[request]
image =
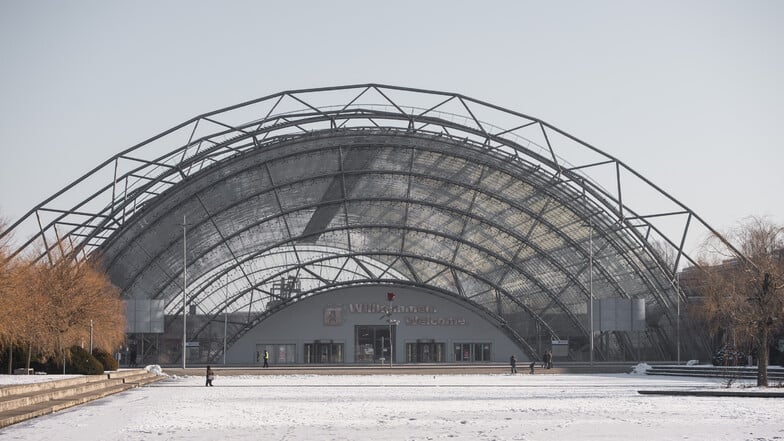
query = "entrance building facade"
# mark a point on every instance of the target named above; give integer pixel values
(354, 326)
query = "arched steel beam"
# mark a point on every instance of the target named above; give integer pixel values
(527, 152)
(487, 193)
(463, 100)
(509, 232)
(607, 277)
(565, 237)
(481, 250)
(429, 177)
(481, 131)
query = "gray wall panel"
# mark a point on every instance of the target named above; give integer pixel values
(425, 316)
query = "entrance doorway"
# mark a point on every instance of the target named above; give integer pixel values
(372, 343)
(425, 351)
(320, 352)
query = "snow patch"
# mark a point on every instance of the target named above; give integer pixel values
(154, 369)
(641, 369)
(692, 363)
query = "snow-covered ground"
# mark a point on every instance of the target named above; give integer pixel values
(407, 407)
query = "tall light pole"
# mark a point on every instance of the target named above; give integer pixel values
(590, 281)
(390, 298)
(678, 314)
(225, 318)
(184, 290)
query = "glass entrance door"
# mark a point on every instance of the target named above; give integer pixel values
(320, 352)
(372, 343)
(425, 351)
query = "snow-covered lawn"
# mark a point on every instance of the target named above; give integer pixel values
(6, 380)
(406, 407)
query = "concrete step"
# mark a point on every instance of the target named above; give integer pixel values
(24, 413)
(29, 398)
(138, 376)
(22, 402)
(16, 389)
(127, 373)
(775, 373)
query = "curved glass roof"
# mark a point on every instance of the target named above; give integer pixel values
(303, 191)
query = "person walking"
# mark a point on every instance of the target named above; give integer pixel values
(266, 358)
(210, 376)
(513, 362)
(549, 355)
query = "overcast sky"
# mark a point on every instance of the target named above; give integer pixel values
(688, 93)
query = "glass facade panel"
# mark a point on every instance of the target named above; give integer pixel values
(278, 353)
(471, 352)
(323, 352)
(425, 352)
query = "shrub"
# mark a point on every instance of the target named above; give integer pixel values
(728, 356)
(106, 359)
(81, 362)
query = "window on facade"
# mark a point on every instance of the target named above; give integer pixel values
(278, 353)
(470, 352)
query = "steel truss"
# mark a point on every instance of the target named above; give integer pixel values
(378, 184)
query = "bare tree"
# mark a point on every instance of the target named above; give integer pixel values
(72, 294)
(52, 305)
(11, 305)
(7, 306)
(744, 295)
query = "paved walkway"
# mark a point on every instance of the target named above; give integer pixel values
(403, 369)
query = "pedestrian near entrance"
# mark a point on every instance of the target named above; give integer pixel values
(210, 376)
(531, 366)
(266, 358)
(549, 358)
(513, 362)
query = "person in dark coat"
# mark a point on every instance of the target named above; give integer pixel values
(513, 362)
(210, 376)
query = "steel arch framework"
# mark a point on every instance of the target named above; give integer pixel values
(379, 184)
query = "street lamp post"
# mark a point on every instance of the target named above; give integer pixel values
(590, 283)
(184, 290)
(225, 318)
(390, 298)
(678, 315)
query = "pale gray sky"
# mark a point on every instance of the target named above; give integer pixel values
(688, 93)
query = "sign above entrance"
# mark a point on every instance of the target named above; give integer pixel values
(411, 315)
